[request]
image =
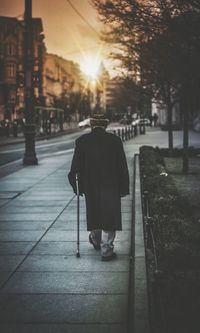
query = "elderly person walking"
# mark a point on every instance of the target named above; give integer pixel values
(100, 162)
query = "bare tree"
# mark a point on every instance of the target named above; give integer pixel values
(159, 42)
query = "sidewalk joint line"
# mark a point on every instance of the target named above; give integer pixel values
(26, 256)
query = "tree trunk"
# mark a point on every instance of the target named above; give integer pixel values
(170, 130)
(185, 137)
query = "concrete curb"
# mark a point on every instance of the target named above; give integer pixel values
(141, 302)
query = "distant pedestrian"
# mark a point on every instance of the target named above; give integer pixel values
(100, 162)
(150, 119)
(155, 119)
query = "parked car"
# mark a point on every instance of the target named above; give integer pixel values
(141, 121)
(123, 121)
(84, 123)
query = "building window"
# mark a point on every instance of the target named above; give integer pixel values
(10, 71)
(10, 49)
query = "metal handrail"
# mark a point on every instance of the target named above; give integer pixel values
(148, 224)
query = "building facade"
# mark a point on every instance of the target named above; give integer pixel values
(59, 85)
(64, 86)
(12, 66)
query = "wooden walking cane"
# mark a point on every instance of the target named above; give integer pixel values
(78, 218)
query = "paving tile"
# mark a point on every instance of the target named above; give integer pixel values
(30, 210)
(49, 194)
(69, 225)
(69, 248)
(17, 235)
(10, 262)
(63, 328)
(21, 225)
(71, 217)
(38, 198)
(13, 186)
(3, 277)
(15, 247)
(43, 308)
(72, 225)
(29, 217)
(71, 263)
(3, 202)
(67, 283)
(36, 203)
(70, 235)
(8, 195)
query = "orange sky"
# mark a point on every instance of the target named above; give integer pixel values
(66, 34)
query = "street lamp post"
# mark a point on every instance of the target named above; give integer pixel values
(29, 129)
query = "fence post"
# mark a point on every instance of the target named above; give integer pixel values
(126, 134)
(129, 133)
(122, 134)
(142, 128)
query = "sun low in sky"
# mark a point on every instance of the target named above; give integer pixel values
(71, 30)
(90, 66)
(67, 30)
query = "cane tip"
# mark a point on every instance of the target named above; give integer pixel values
(78, 255)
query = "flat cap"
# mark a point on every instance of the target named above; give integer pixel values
(99, 120)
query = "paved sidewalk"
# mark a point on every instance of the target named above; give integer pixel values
(43, 286)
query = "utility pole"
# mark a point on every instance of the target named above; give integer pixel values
(29, 129)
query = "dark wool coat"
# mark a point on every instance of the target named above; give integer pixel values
(100, 161)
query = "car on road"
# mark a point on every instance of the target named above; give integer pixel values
(84, 123)
(125, 121)
(142, 121)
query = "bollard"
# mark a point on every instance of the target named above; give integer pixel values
(123, 134)
(142, 128)
(126, 134)
(129, 133)
(135, 130)
(119, 132)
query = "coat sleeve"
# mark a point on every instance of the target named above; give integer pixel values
(76, 169)
(123, 171)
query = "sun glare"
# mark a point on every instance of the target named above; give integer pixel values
(90, 66)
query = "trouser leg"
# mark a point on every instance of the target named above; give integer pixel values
(107, 239)
(96, 236)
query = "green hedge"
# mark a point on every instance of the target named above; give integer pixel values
(177, 240)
